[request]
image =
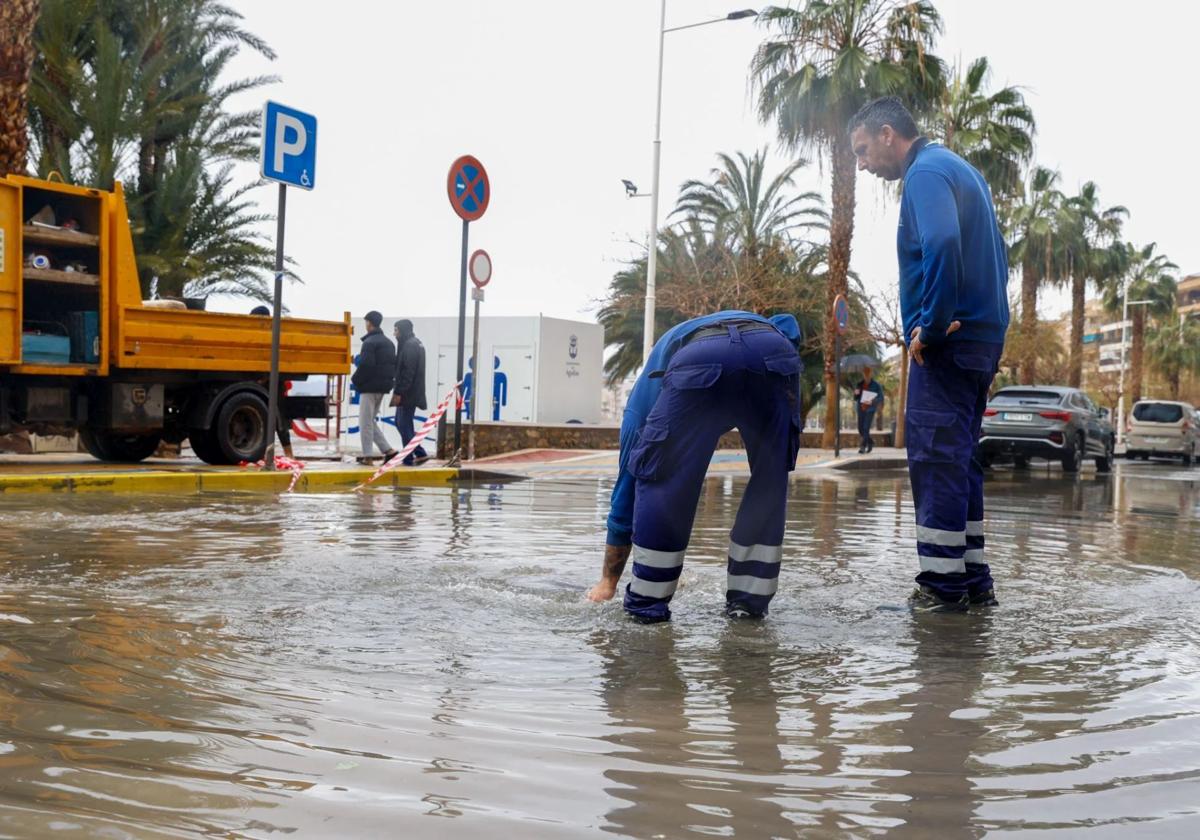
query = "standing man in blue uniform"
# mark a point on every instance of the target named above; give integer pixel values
(954, 303)
(868, 398)
(705, 377)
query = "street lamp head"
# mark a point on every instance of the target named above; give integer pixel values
(744, 13)
(630, 188)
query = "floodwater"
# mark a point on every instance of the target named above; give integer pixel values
(421, 663)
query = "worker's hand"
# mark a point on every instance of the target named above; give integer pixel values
(915, 347)
(397, 400)
(615, 557)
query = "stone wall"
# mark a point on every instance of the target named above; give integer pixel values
(499, 438)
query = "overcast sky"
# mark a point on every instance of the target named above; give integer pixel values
(557, 100)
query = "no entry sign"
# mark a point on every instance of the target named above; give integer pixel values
(468, 188)
(480, 268)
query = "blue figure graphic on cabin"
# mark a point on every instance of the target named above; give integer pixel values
(469, 386)
(499, 389)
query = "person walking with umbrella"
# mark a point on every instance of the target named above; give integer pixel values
(868, 397)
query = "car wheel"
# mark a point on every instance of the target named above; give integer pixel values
(241, 428)
(1020, 462)
(1072, 455)
(1104, 463)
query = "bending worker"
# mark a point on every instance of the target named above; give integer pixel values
(705, 377)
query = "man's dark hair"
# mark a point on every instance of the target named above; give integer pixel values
(405, 326)
(886, 110)
(260, 310)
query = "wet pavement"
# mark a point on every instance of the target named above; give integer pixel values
(421, 663)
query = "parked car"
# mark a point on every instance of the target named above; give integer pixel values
(1162, 428)
(1056, 423)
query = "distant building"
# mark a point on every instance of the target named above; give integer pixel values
(1188, 299)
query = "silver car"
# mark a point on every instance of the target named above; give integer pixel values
(1056, 423)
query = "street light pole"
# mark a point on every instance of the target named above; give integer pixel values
(1126, 303)
(652, 257)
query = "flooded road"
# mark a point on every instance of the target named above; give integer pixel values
(421, 663)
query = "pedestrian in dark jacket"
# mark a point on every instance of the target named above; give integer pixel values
(373, 379)
(409, 392)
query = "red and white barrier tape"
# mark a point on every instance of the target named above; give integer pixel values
(428, 426)
(282, 462)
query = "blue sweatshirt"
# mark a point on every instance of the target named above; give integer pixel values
(953, 261)
(645, 394)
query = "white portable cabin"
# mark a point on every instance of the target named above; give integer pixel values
(542, 371)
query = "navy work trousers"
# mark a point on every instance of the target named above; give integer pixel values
(746, 379)
(946, 399)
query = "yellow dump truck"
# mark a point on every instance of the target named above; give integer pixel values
(80, 349)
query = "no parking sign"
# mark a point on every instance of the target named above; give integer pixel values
(468, 188)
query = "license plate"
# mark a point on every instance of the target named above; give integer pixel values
(1155, 440)
(1025, 418)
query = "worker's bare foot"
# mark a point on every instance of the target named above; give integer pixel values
(602, 591)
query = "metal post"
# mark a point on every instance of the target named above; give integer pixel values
(276, 315)
(462, 340)
(1121, 385)
(478, 295)
(652, 256)
(837, 395)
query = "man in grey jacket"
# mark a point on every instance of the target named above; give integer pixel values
(409, 393)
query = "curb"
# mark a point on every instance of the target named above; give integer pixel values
(200, 482)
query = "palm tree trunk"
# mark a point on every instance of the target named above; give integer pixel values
(841, 231)
(17, 19)
(1136, 352)
(1078, 288)
(1029, 290)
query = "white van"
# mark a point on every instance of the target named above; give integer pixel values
(1162, 427)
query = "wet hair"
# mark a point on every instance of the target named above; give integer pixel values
(887, 110)
(260, 310)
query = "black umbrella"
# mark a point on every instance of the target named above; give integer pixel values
(858, 361)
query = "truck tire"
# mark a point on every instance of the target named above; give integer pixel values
(112, 446)
(240, 430)
(205, 447)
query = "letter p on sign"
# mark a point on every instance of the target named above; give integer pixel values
(289, 146)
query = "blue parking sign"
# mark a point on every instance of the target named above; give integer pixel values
(289, 146)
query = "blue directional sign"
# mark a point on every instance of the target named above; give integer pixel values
(289, 146)
(841, 313)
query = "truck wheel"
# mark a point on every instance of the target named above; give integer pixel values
(240, 430)
(111, 446)
(1104, 463)
(1072, 455)
(205, 447)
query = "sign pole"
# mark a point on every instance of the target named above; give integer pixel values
(462, 340)
(477, 294)
(837, 387)
(273, 406)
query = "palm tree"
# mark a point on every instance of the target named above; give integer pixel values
(1035, 221)
(1174, 349)
(1091, 257)
(1148, 277)
(738, 206)
(136, 91)
(823, 61)
(994, 132)
(17, 50)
